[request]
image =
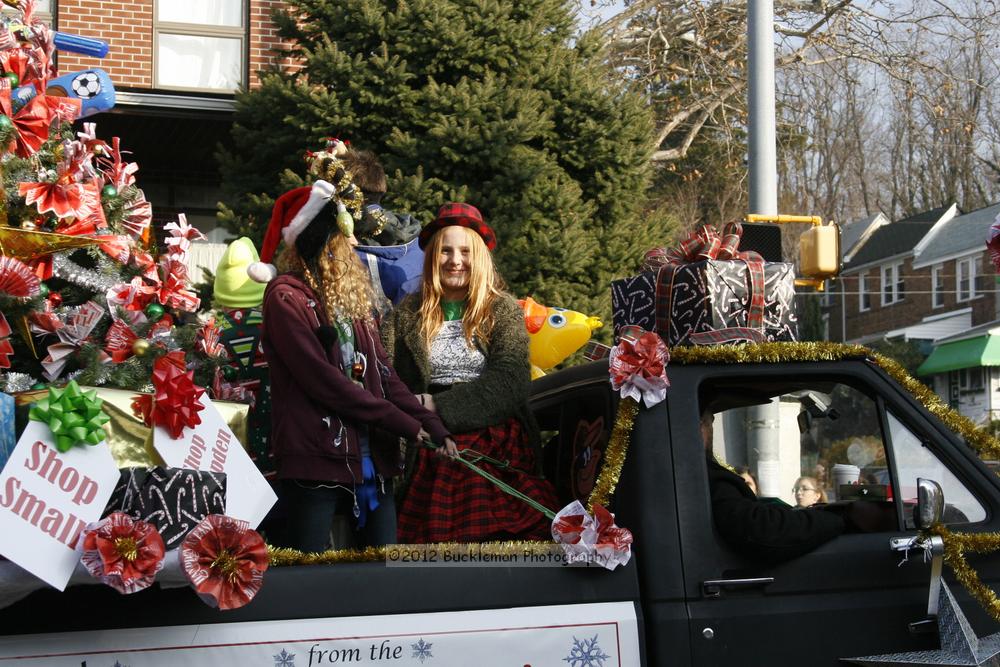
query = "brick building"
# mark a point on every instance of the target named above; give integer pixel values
(881, 294)
(176, 65)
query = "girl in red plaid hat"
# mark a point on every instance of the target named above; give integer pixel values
(338, 408)
(462, 346)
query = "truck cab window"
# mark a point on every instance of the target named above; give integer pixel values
(914, 459)
(810, 443)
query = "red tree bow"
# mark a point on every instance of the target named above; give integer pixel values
(175, 402)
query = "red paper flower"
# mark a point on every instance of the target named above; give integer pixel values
(16, 278)
(123, 552)
(175, 402)
(225, 560)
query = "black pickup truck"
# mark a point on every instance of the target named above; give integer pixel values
(686, 597)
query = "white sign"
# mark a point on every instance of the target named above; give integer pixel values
(47, 498)
(586, 635)
(211, 445)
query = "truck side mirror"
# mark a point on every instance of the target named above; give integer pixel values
(930, 503)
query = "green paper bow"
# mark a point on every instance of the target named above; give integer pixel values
(73, 415)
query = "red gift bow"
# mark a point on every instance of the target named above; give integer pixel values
(175, 402)
(31, 122)
(614, 543)
(707, 244)
(123, 552)
(225, 560)
(638, 366)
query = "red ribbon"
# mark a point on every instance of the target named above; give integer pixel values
(640, 354)
(175, 402)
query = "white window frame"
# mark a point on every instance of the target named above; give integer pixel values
(937, 291)
(972, 266)
(892, 283)
(863, 294)
(200, 30)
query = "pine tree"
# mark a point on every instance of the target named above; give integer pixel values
(495, 103)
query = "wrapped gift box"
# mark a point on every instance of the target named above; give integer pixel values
(172, 499)
(705, 296)
(633, 301)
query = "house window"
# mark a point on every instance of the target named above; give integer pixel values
(892, 283)
(199, 44)
(937, 286)
(966, 271)
(970, 379)
(864, 298)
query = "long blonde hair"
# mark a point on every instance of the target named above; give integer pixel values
(485, 286)
(337, 276)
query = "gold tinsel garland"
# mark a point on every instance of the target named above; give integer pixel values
(955, 547)
(614, 454)
(397, 553)
(618, 443)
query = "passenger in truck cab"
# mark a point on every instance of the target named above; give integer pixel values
(768, 531)
(461, 345)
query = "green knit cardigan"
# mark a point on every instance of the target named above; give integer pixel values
(501, 391)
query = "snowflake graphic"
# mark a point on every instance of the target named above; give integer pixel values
(422, 650)
(284, 659)
(586, 653)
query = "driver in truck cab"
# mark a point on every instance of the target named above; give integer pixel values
(770, 531)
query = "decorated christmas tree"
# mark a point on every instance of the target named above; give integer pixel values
(85, 293)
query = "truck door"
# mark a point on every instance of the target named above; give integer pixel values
(812, 434)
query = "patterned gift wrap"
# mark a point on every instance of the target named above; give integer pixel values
(714, 294)
(633, 302)
(172, 499)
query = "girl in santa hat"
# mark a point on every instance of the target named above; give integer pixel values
(338, 407)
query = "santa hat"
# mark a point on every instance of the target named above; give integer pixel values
(292, 213)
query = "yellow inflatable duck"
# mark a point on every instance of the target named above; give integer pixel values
(555, 333)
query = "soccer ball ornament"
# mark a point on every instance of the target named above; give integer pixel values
(93, 87)
(86, 85)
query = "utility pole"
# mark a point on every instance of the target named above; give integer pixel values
(762, 421)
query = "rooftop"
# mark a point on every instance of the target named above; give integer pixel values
(896, 238)
(962, 234)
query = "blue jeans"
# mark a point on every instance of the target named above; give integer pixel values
(309, 510)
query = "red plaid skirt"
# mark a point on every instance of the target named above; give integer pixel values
(447, 502)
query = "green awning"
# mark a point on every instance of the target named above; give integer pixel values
(980, 351)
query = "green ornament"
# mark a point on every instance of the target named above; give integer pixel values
(6, 123)
(14, 79)
(154, 311)
(229, 372)
(74, 416)
(43, 291)
(38, 386)
(109, 192)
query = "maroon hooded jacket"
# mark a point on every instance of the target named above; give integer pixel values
(316, 409)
